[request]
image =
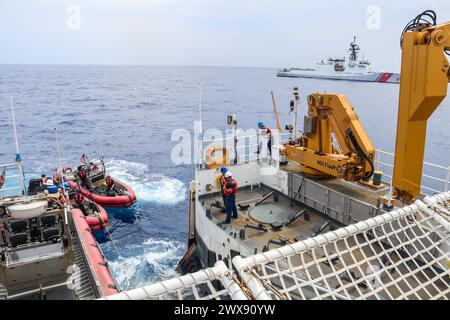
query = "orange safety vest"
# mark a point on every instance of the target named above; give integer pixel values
(109, 182)
(62, 199)
(235, 186)
(222, 181)
(79, 198)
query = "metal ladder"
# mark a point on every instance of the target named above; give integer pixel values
(85, 290)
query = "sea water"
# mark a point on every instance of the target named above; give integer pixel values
(128, 115)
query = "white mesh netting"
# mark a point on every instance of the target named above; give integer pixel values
(207, 284)
(403, 254)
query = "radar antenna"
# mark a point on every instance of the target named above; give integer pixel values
(354, 48)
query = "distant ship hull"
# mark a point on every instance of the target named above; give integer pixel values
(382, 77)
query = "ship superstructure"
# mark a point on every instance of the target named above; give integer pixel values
(349, 68)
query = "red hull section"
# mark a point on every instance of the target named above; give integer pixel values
(97, 223)
(95, 256)
(116, 201)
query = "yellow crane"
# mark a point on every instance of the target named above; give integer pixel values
(423, 86)
(330, 114)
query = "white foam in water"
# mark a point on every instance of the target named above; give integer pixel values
(155, 260)
(155, 188)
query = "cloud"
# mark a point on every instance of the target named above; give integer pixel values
(269, 33)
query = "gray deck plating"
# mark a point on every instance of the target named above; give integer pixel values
(333, 200)
(256, 240)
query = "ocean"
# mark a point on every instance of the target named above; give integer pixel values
(128, 115)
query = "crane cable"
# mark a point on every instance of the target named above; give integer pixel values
(429, 18)
(362, 155)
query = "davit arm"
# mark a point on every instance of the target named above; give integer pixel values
(423, 86)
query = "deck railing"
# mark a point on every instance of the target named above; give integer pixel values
(435, 178)
(13, 181)
(247, 146)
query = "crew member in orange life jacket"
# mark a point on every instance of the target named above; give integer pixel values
(79, 201)
(230, 189)
(266, 132)
(61, 197)
(109, 184)
(84, 177)
(223, 170)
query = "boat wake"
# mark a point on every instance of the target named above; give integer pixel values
(155, 188)
(154, 259)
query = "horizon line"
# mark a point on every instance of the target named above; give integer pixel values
(133, 65)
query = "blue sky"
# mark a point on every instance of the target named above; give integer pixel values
(265, 33)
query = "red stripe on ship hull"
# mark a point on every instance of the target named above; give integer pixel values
(385, 77)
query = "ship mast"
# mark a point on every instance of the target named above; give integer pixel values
(354, 48)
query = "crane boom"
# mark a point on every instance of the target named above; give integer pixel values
(423, 86)
(328, 114)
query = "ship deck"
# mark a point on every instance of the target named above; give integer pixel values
(304, 227)
(324, 261)
(255, 240)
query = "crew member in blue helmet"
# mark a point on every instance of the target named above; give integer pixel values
(263, 130)
(223, 170)
(230, 189)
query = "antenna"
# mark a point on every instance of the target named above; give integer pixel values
(18, 156)
(354, 48)
(60, 169)
(58, 153)
(293, 110)
(200, 135)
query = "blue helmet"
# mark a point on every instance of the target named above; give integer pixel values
(223, 169)
(260, 124)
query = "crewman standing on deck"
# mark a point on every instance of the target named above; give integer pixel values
(223, 170)
(264, 131)
(230, 189)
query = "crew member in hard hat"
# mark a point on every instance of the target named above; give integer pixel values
(264, 131)
(48, 184)
(223, 170)
(230, 189)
